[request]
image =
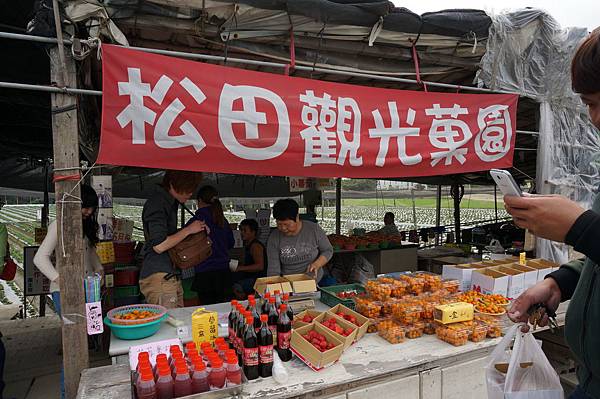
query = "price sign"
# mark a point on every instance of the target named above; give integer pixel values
(93, 312)
(153, 350)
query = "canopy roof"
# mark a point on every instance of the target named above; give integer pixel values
(363, 37)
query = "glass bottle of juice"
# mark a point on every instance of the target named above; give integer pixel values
(250, 350)
(265, 348)
(284, 334)
(200, 377)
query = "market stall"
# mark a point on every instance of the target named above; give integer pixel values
(420, 368)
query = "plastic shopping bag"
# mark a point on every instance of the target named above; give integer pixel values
(524, 372)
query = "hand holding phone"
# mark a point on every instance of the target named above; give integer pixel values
(506, 183)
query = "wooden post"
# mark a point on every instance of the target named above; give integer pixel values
(69, 251)
(338, 205)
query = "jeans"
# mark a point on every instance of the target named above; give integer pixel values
(56, 300)
(579, 394)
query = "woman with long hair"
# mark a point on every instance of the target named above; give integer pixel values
(213, 277)
(44, 259)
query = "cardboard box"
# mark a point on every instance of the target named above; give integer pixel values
(310, 355)
(555, 266)
(543, 268)
(301, 283)
(272, 284)
(516, 281)
(291, 283)
(360, 319)
(453, 312)
(297, 322)
(529, 274)
(343, 323)
(462, 273)
(489, 281)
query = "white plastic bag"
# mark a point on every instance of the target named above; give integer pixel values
(530, 375)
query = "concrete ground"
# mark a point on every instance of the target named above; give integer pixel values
(34, 358)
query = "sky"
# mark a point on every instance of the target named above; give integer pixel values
(581, 13)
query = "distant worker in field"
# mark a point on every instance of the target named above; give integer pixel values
(390, 228)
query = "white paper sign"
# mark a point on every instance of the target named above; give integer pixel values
(93, 312)
(153, 349)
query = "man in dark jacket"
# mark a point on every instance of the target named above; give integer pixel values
(559, 219)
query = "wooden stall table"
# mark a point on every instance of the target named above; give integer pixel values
(423, 368)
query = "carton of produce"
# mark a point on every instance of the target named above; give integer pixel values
(272, 284)
(305, 317)
(516, 281)
(542, 269)
(462, 273)
(341, 328)
(301, 283)
(453, 312)
(353, 317)
(490, 281)
(291, 283)
(317, 346)
(529, 274)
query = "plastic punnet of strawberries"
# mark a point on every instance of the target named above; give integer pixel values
(318, 341)
(335, 327)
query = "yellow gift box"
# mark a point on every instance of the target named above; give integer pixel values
(453, 312)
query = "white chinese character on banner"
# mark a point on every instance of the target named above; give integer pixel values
(251, 119)
(139, 115)
(327, 123)
(448, 134)
(495, 133)
(395, 131)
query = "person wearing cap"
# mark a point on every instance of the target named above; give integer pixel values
(212, 281)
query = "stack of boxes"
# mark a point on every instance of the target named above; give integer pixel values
(127, 288)
(506, 277)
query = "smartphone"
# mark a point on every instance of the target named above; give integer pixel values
(506, 182)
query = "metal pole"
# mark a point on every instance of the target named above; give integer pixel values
(46, 207)
(50, 89)
(456, 195)
(438, 212)
(338, 205)
(7, 35)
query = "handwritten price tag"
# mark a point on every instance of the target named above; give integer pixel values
(153, 349)
(93, 312)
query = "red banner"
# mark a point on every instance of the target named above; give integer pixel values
(163, 112)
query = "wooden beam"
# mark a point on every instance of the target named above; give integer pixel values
(69, 251)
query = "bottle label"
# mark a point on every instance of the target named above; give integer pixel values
(274, 332)
(230, 334)
(251, 356)
(266, 354)
(283, 339)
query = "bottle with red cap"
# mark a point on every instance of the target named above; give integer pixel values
(190, 346)
(146, 388)
(217, 375)
(233, 370)
(250, 299)
(273, 319)
(199, 377)
(182, 384)
(265, 348)
(255, 314)
(164, 382)
(143, 359)
(250, 350)
(265, 304)
(232, 320)
(290, 311)
(277, 299)
(143, 368)
(284, 334)
(241, 328)
(161, 360)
